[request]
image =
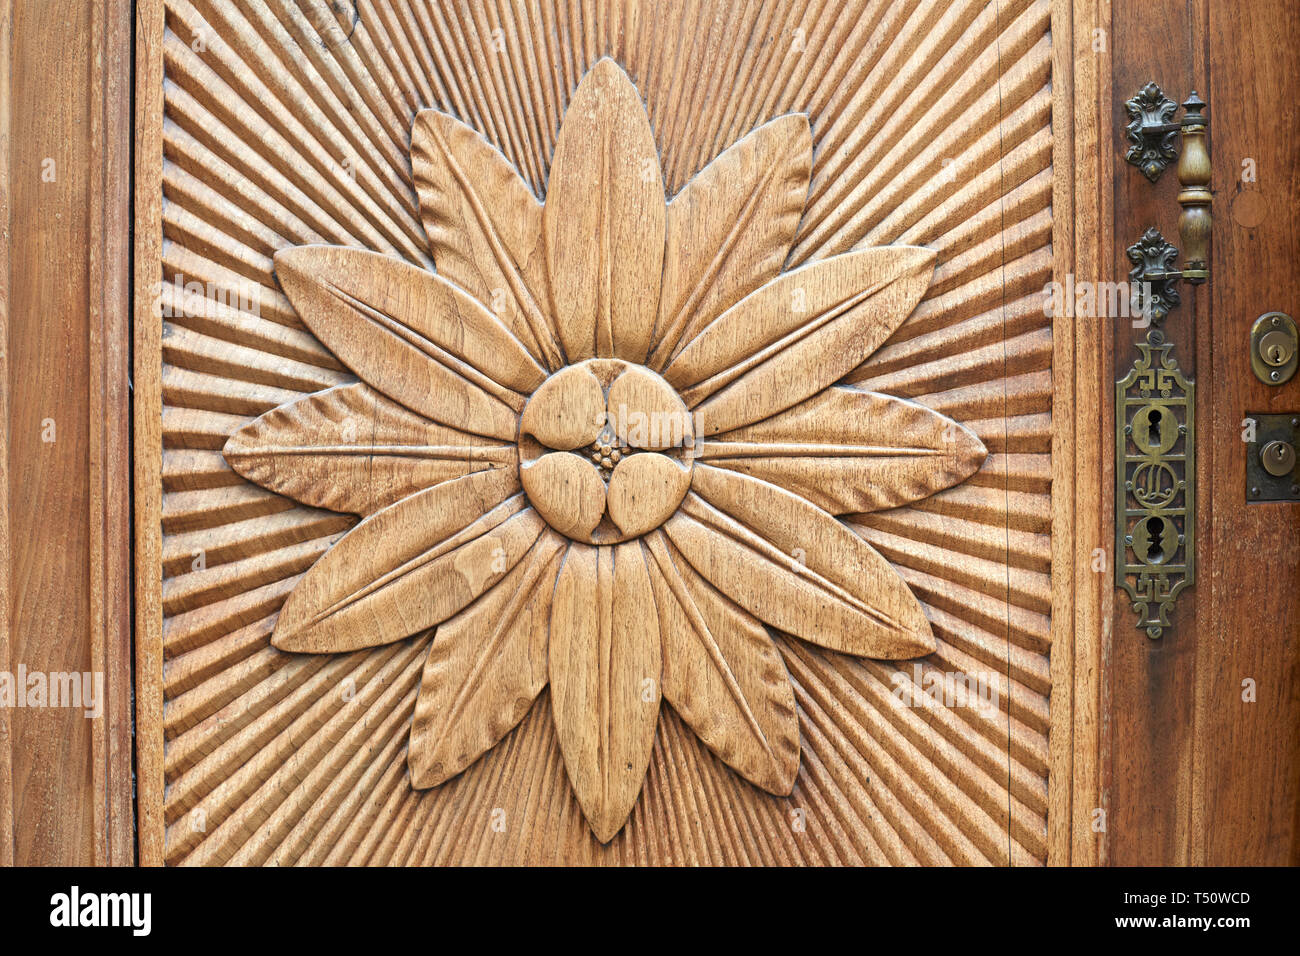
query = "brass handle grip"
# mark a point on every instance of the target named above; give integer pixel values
(1194, 175)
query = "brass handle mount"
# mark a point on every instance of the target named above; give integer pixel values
(1152, 132)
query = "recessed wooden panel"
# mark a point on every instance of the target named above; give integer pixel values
(284, 733)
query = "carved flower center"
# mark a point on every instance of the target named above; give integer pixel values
(605, 451)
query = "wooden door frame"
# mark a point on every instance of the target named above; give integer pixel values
(149, 17)
(1082, 599)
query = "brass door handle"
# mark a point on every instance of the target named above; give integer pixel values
(1195, 198)
(1155, 404)
(1152, 132)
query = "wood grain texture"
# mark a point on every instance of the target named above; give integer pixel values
(257, 130)
(606, 451)
(147, 428)
(6, 729)
(1186, 770)
(1149, 696)
(1246, 791)
(1082, 371)
(65, 777)
(490, 659)
(339, 466)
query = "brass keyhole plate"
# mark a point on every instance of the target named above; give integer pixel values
(1155, 483)
(1273, 348)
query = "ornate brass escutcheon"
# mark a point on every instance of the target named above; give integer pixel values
(1155, 494)
(1154, 278)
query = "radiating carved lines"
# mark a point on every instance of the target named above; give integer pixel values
(910, 145)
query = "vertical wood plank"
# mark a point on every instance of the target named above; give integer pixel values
(1079, 599)
(1201, 776)
(1245, 789)
(1096, 373)
(1151, 707)
(65, 474)
(110, 436)
(48, 494)
(147, 427)
(6, 730)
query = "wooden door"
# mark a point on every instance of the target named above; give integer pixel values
(1202, 768)
(629, 432)
(713, 650)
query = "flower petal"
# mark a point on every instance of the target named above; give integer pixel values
(847, 450)
(605, 670)
(730, 228)
(604, 220)
(484, 226)
(798, 334)
(413, 335)
(410, 566)
(724, 676)
(567, 412)
(485, 668)
(567, 491)
(645, 413)
(349, 448)
(797, 568)
(644, 490)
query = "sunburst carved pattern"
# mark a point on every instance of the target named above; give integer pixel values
(326, 239)
(604, 562)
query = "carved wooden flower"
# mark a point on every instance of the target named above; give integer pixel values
(602, 447)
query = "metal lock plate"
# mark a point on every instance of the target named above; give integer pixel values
(1274, 354)
(1271, 472)
(1155, 476)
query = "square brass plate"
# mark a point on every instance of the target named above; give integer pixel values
(1260, 485)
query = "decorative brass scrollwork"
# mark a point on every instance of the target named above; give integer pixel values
(1152, 131)
(1153, 279)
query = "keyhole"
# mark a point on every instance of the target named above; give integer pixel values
(1275, 355)
(1155, 531)
(1153, 426)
